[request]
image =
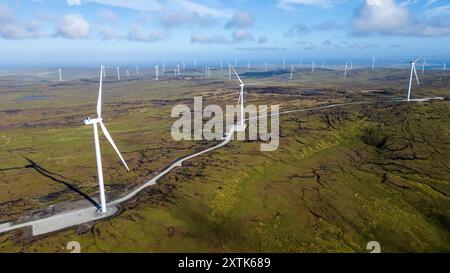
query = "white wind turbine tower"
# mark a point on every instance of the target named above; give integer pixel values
(163, 69)
(265, 67)
(104, 73)
(137, 71)
(313, 65)
(373, 62)
(413, 71)
(178, 70)
(94, 123)
(346, 68)
(184, 65)
(128, 73)
(118, 73)
(241, 125)
(195, 64)
(221, 67)
(292, 72)
(423, 65)
(229, 72)
(60, 74)
(323, 65)
(284, 64)
(445, 66)
(156, 72)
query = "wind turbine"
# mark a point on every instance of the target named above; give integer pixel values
(413, 71)
(423, 65)
(445, 66)
(184, 65)
(137, 71)
(241, 125)
(156, 72)
(163, 69)
(292, 72)
(265, 67)
(284, 64)
(229, 72)
(323, 65)
(128, 73)
(195, 64)
(346, 68)
(118, 73)
(94, 123)
(221, 67)
(373, 62)
(60, 74)
(178, 70)
(313, 65)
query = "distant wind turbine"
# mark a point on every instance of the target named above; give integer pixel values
(423, 65)
(94, 123)
(241, 125)
(137, 71)
(413, 72)
(118, 73)
(292, 72)
(60, 74)
(156, 72)
(373, 62)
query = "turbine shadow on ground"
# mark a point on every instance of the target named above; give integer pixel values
(54, 177)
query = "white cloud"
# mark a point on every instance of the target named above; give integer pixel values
(241, 35)
(138, 35)
(381, 16)
(139, 5)
(73, 2)
(289, 4)
(11, 28)
(107, 15)
(204, 39)
(73, 26)
(202, 10)
(390, 18)
(241, 20)
(108, 33)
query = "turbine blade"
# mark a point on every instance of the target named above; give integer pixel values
(99, 101)
(417, 59)
(237, 75)
(108, 136)
(415, 72)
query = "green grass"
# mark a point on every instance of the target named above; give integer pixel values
(330, 187)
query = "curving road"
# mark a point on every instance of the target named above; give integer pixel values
(85, 215)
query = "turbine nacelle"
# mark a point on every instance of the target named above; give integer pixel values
(89, 121)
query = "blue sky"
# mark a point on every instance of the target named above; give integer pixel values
(89, 32)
